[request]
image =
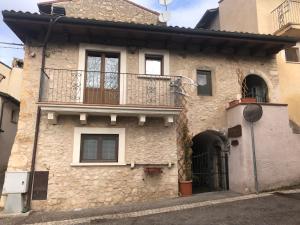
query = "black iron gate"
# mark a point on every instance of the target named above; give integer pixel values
(210, 171)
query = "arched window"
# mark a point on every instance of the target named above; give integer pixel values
(255, 87)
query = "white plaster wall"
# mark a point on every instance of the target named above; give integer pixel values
(277, 151)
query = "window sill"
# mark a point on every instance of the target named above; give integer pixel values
(157, 77)
(96, 164)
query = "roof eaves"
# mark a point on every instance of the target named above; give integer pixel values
(145, 27)
(5, 65)
(10, 98)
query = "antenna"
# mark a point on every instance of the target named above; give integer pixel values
(165, 16)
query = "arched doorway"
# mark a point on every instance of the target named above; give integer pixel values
(210, 162)
(255, 87)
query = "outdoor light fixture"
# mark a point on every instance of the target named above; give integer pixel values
(2, 77)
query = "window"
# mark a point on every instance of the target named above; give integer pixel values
(99, 148)
(292, 55)
(96, 146)
(14, 116)
(154, 64)
(204, 83)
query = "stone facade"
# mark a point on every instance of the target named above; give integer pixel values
(152, 143)
(106, 185)
(208, 112)
(117, 10)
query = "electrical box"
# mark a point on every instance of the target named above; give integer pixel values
(15, 182)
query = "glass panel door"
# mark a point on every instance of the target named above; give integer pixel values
(102, 78)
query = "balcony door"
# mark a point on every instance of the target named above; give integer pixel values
(102, 78)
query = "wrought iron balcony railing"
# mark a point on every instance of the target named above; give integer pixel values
(286, 13)
(96, 88)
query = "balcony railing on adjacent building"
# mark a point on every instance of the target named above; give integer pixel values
(286, 13)
(61, 86)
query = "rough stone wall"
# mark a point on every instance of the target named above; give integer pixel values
(111, 10)
(81, 187)
(20, 159)
(208, 112)
(74, 187)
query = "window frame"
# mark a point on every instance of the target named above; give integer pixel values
(210, 82)
(77, 143)
(12, 119)
(157, 57)
(295, 48)
(166, 63)
(99, 148)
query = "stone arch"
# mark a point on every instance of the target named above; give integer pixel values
(273, 92)
(210, 161)
(254, 86)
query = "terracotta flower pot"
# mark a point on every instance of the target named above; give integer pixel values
(233, 103)
(185, 188)
(248, 100)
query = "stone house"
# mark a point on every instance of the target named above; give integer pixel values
(10, 85)
(105, 87)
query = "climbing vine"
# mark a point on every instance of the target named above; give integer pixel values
(184, 141)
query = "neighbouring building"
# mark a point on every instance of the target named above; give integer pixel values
(103, 101)
(10, 86)
(278, 17)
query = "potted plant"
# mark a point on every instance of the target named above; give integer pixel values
(186, 184)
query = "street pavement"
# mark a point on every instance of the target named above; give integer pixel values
(278, 209)
(219, 208)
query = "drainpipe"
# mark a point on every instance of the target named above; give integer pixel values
(38, 114)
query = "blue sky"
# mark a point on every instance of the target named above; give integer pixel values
(184, 13)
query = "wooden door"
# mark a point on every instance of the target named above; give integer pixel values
(102, 78)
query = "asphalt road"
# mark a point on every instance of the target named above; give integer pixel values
(278, 209)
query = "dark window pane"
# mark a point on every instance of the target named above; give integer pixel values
(99, 147)
(109, 149)
(154, 65)
(90, 149)
(93, 72)
(204, 83)
(14, 116)
(292, 55)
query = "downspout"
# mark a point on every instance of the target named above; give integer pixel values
(38, 114)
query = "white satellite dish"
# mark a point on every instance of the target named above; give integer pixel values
(165, 2)
(164, 17)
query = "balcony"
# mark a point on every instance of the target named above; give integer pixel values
(286, 18)
(109, 94)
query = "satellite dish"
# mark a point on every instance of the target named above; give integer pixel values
(253, 113)
(164, 17)
(165, 2)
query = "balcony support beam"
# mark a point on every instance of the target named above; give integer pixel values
(83, 118)
(52, 118)
(113, 119)
(169, 120)
(142, 120)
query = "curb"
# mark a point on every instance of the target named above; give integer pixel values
(163, 210)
